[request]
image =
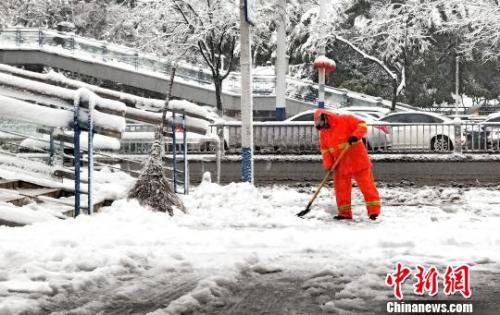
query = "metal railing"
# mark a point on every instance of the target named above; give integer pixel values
(129, 58)
(302, 137)
(481, 137)
(294, 137)
(122, 56)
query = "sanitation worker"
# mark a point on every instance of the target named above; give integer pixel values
(336, 132)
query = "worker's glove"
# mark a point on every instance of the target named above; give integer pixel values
(352, 139)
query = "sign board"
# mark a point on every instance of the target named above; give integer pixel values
(249, 12)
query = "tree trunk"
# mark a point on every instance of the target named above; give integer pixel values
(218, 95)
(394, 95)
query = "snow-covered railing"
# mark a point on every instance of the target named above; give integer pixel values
(126, 57)
(10, 84)
(15, 109)
(122, 56)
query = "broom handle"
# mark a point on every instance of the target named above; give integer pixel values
(327, 173)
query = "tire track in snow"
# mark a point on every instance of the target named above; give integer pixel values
(134, 294)
(267, 295)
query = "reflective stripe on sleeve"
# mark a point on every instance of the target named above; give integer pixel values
(323, 151)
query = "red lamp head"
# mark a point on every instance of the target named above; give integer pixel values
(323, 62)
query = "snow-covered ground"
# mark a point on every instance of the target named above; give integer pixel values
(242, 250)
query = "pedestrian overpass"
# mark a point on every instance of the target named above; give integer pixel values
(126, 66)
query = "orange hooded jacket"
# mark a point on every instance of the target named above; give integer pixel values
(333, 140)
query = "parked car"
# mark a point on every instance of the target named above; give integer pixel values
(378, 137)
(418, 131)
(373, 111)
(484, 135)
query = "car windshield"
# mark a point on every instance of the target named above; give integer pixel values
(412, 118)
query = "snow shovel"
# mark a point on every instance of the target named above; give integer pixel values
(323, 182)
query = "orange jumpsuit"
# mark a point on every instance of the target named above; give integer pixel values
(355, 162)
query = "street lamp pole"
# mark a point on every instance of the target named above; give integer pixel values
(457, 83)
(281, 62)
(321, 53)
(246, 95)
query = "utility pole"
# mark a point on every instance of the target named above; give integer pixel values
(321, 53)
(246, 95)
(457, 83)
(322, 63)
(281, 62)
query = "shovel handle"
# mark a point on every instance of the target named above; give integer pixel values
(324, 180)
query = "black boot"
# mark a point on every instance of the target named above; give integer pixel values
(373, 217)
(338, 217)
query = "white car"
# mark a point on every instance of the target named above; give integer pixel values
(372, 111)
(378, 136)
(420, 131)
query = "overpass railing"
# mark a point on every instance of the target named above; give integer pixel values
(121, 56)
(132, 59)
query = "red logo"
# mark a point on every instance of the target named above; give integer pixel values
(427, 281)
(457, 280)
(397, 279)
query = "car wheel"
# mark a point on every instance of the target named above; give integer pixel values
(367, 144)
(441, 144)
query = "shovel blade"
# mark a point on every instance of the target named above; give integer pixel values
(304, 212)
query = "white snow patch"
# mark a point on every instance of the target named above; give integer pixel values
(238, 227)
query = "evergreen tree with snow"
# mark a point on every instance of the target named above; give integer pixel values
(153, 189)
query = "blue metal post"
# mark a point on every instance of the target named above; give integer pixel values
(51, 147)
(90, 150)
(246, 95)
(186, 170)
(174, 151)
(76, 154)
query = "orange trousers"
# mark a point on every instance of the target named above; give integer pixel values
(366, 183)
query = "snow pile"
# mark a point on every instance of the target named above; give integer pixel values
(23, 215)
(238, 229)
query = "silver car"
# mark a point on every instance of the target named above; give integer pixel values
(420, 131)
(378, 136)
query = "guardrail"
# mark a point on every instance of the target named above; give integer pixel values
(481, 137)
(122, 56)
(129, 58)
(302, 137)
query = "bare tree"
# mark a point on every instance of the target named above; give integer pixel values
(210, 28)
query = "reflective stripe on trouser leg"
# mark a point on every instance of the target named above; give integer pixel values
(366, 184)
(343, 187)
